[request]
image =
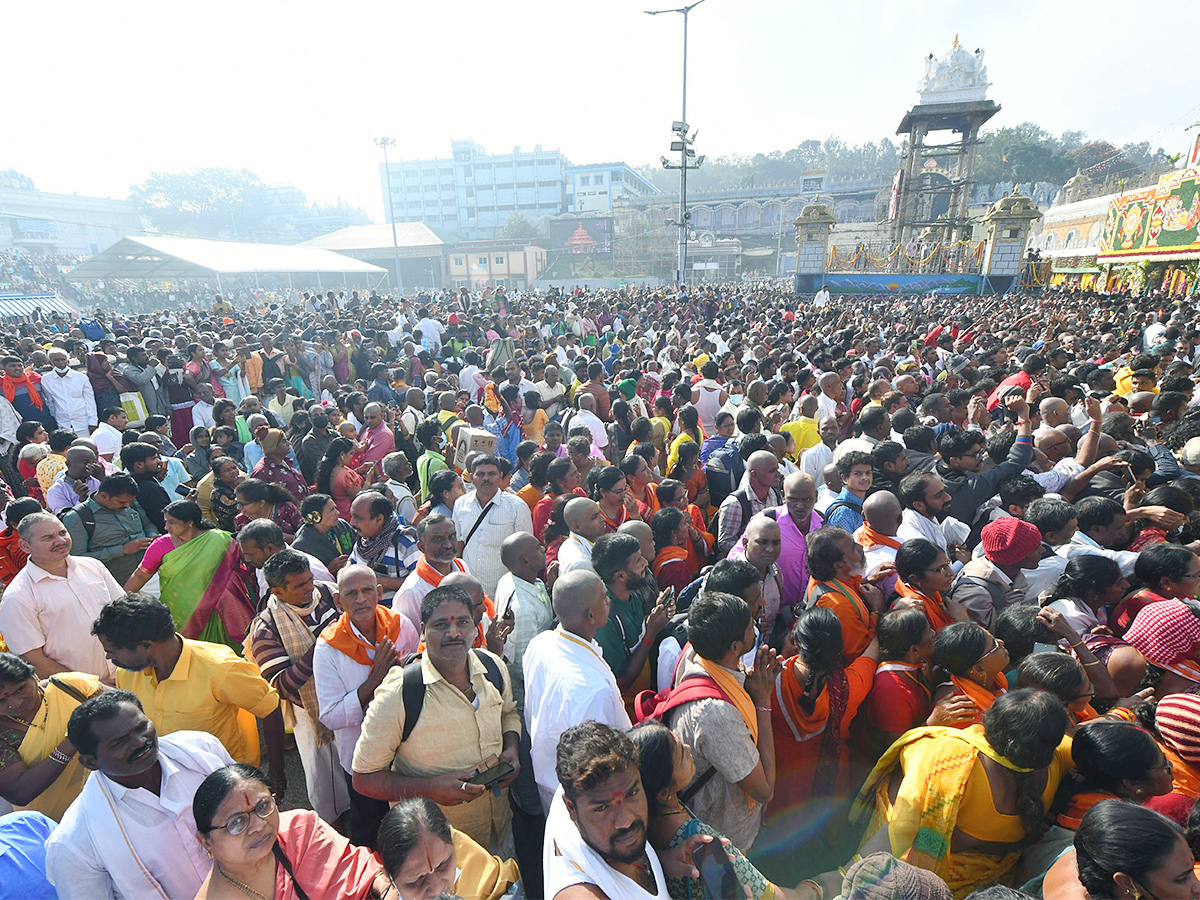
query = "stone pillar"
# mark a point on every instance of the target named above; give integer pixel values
(1007, 224)
(813, 226)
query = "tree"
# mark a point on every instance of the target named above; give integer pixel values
(518, 226)
(210, 202)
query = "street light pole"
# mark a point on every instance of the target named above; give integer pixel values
(383, 143)
(684, 144)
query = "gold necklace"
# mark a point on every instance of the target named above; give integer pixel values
(244, 888)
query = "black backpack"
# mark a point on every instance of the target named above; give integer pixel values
(724, 471)
(86, 514)
(412, 691)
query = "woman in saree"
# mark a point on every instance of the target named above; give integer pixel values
(1162, 572)
(324, 533)
(201, 576)
(925, 575)
(198, 371)
(964, 803)
(229, 373)
(38, 766)
(223, 500)
(970, 662)
(671, 566)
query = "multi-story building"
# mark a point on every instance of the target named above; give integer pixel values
(41, 222)
(514, 265)
(594, 188)
(474, 192)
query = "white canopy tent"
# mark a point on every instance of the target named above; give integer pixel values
(158, 258)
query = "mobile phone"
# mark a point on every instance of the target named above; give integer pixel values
(670, 592)
(182, 490)
(716, 870)
(1039, 647)
(495, 773)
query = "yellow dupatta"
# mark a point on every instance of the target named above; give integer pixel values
(922, 818)
(46, 731)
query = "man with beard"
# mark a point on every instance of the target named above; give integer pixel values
(627, 637)
(596, 843)
(189, 685)
(314, 444)
(132, 822)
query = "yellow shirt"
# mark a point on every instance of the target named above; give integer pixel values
(450, 736)
(48, 468)
(804, 432)
(210, 689)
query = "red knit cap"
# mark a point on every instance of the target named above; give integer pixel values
(1178, 720)
(1009, 540)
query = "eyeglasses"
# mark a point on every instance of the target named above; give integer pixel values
(996, 646)
(944, 567)
(239, 823)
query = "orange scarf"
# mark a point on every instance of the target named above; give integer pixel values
(735, 692)
(341, 637)
(1184, 779)
(979, 695)
(426, 572)
(666, 555)
(935, 612)
(12, 557)
(30, 380)
(869, 537)
(1071, 816)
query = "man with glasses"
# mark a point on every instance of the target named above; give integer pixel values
(962, 454)
(131, 833)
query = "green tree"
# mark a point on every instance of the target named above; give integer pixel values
(211, 202)
(516, 226)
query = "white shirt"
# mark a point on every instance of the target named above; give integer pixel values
(575, 553)
(568, 860)
(594, 424)
(814, 460)
(406, 504)
(1080, 544)
(202, 415)
(107, 440)
(55, 614)
(71, 400)
(92, 852)
(915, 525)
(567, 682)
(432, 331)
(413, 589)
(532, 614)
(821, 300)
(482, 555)
(338, 677)
(546, 391)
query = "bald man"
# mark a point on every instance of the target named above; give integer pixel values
(567, 680)
(761, 491)
(1054, 411)
(882, 514)
(586, 415)
(797, 519)
(585, 520)
(76, 482)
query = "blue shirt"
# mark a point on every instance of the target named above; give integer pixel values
(848, 514)
(23, 857)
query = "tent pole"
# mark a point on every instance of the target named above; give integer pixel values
(319, 281)
(289, 275)
(219, 288)
(256, 287)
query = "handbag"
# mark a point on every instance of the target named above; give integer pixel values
(134, 406)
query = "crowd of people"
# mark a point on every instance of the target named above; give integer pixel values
(603, 593)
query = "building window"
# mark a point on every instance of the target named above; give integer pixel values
(483, 260)
(600, 179)
(458, 260)
(499, 260)
(585, 179)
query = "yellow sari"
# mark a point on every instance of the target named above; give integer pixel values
(481, 875)
(937, 764)
(46, 731)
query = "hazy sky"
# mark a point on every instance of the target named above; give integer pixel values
(100, 94)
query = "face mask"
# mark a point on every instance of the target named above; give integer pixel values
(63, 370)
(735, 399)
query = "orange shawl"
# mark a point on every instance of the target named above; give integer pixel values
(979, 695)
(12, 557)
(1184, 779)
(666, 555)
(426, 572)
(935, 612)
(734, 691)
(868, 537)
(341, 637)
(1071, 816)
(31, 380)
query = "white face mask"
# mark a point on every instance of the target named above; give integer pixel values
(735, 399)
(63, 371)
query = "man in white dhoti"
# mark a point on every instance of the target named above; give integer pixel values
(567, 680)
